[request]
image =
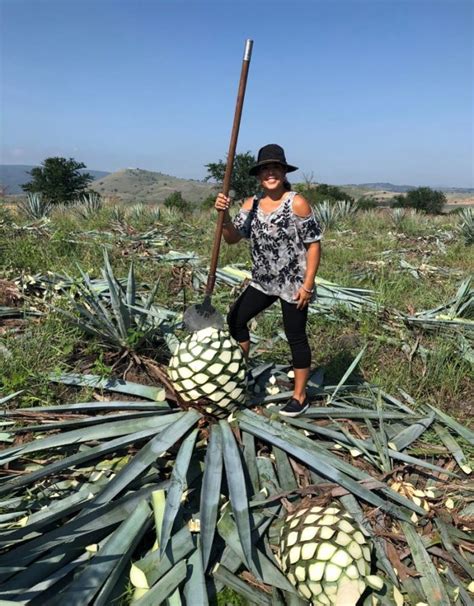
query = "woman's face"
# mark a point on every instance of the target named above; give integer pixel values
(272, 176)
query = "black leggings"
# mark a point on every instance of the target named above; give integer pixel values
(251, 302)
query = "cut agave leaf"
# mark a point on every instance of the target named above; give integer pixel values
(237, 491)
(107, 565)
(165, 586)
(176, 488)
(210, 493)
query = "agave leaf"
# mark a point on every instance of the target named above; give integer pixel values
(237, 491)
(292, 599)
(18, 582)
(131, 291)
(270, 573)
(107, 565)
(11, 396)
(448, 545)
(365, 445)
(210, 493)
(152, 567)
(353, 507)
(158, 499)
(145, 457)
(286, 477)
(121, 311)
(165, 586)
(176, 488)
(250, 454)
(457, 584)
(57, 509)
(253, 595)
(102, 315)
(268, 479)
(324, 464)
(42, 588)
(432, 585)
(99, 432)
(407, 436)
(81, 530)
(83, 422)
(76, 459)
(156, 407)
(347, 374)
(452, 445)
(461, 430)
(352, 413)
(148, 392)
(195, 590)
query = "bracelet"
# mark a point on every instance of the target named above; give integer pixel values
(310, 292)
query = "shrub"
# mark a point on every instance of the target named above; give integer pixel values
(315, 194)
(176, 201)
(366, 203)
(422, 198)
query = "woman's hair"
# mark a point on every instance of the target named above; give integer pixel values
(287, 185)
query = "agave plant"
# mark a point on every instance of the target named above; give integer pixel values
(465, 225)
(35, 206)
(326, 214)
(89, 205)
(137, 212)
(79, 502)
(346, 208)
(118, 214)
(457, 314)
(398, 217)
(114, 313)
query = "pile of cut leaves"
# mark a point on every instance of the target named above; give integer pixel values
(136, 501)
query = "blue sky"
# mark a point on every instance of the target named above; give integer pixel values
(356, 91)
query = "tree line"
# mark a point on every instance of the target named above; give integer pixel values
(62, 181)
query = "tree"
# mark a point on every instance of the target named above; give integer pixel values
(422, 198)
(243, 184)
(316, 193)
(58, 180)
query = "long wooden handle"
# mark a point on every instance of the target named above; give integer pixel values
(211, 279)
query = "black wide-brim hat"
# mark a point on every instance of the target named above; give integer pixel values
(269, 154)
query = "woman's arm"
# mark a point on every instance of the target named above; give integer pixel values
(313, 257)
(230, 233)
(302, 208)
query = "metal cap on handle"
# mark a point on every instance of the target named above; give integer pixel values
(248, 50)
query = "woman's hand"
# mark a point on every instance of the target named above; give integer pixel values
(222, 202)
(302, 298)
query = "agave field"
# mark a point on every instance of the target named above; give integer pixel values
(143, 465)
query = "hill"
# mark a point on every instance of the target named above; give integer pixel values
(137, 185)
(13, 176)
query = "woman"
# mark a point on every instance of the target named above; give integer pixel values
(284, 239)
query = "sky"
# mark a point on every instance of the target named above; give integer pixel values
(356, 91)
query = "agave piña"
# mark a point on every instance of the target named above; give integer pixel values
(209, 365)
(325, 556)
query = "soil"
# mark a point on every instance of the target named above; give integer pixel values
(10, 296)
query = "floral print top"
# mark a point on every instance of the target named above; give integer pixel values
(277, 242)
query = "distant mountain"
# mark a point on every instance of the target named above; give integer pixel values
(405, 188)
(137, 185)
(13, 176)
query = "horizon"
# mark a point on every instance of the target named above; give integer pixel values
(359, 184)
(374, 91)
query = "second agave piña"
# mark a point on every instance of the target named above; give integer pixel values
(325, 556)
(209, 365)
